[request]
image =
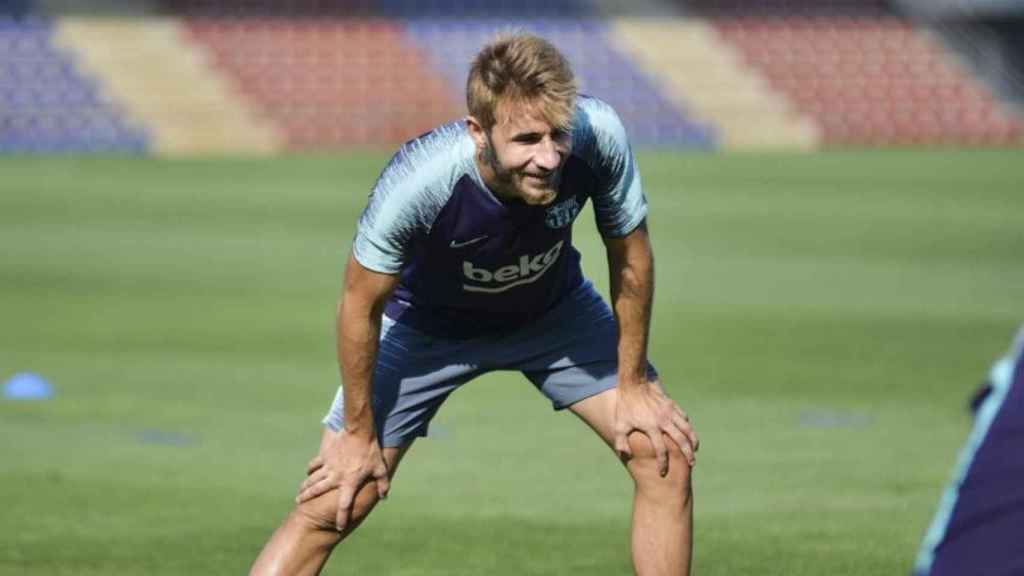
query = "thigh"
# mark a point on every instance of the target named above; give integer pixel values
(572, 353)
(413, 375)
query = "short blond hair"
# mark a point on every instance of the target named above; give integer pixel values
(521, 68)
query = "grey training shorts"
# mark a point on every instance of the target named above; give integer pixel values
(569, 354)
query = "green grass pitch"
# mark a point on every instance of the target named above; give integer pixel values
(822, 317)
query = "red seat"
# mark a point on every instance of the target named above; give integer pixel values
(870, 80)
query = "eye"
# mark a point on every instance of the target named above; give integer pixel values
(528, 138)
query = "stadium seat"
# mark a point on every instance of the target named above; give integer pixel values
(857, 70)
(49, 106)
(602, 70)
(325, 83)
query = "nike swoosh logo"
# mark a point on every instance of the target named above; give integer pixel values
(455, 244)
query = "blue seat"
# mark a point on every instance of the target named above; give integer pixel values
(15, 9)
(50, 106)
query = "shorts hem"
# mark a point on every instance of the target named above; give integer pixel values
(387, 441)
(399, 441)
(589, 393)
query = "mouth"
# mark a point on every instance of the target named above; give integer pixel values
(541, 179)
(539, 189)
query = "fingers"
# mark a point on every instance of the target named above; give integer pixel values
(346, 497)
(383, 485)
(622, 446)
(683, 442)
(312, 479)
(685, 427)
(312, 490)
(660, 450)
(682, 421)
(314, 464)
(382, 479)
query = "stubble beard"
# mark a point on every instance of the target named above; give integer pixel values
(505, 181)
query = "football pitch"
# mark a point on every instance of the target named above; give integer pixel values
(823, 318)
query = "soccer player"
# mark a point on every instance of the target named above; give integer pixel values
(463, 263)
(979, 527)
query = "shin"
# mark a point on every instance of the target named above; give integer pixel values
(662, 511)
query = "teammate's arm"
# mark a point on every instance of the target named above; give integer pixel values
(353, 457)
(643, 404)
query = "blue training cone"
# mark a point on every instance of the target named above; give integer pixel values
(27, 386)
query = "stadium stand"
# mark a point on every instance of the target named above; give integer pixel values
(329, 83)
(788, 8)
(483, 9)
(11, 9)
(865, 74)
(257, 76)
(700, 72)
(46, 104)
(187, 106)
(602, 70)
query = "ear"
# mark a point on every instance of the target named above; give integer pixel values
(477, 132)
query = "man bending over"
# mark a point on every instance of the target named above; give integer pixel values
(462, 264)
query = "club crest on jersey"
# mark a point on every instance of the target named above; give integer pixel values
(527, 270)
(562, 214)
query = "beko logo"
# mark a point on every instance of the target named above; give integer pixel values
(528, 270)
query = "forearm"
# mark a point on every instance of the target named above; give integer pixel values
(358, 332)
(631, 274)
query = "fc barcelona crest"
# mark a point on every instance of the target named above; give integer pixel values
(562, 214)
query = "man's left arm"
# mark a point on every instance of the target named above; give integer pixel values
(642, 403)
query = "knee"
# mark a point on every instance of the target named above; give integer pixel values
(321, 513)
(646, 473)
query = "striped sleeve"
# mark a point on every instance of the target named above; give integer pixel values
(619, 202)
(411, 191)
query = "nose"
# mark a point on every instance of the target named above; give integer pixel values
(548, 156)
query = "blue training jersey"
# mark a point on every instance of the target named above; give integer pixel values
(471, 264)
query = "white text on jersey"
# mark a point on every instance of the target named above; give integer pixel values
(529, 269)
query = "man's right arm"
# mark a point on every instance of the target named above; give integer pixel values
(353, 457)
(358, 332)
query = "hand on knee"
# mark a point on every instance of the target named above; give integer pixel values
(644, 468)
(321, 512)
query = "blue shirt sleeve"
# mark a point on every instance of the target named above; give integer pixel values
(600, 139)
(405, 201)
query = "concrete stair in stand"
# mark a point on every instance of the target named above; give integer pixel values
(159, 77)
(707, 75)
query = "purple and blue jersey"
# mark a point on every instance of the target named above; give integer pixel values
(979, 527)
(471, 264)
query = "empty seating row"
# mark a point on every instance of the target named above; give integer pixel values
(870, 80)
(46, 103)
(78, 130)
(601, 69)
(388, 8)
(298, 75)
(779, 8)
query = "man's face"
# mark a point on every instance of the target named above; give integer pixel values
(523, 155)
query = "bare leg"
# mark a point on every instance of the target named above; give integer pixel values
(302, 544)
(662, 536)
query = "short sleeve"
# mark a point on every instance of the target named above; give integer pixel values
(388, 223)
(411, 191)
(619, 202)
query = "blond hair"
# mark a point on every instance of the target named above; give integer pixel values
(521, 69)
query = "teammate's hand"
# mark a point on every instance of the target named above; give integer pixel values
(646, 408)
(346, 462)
